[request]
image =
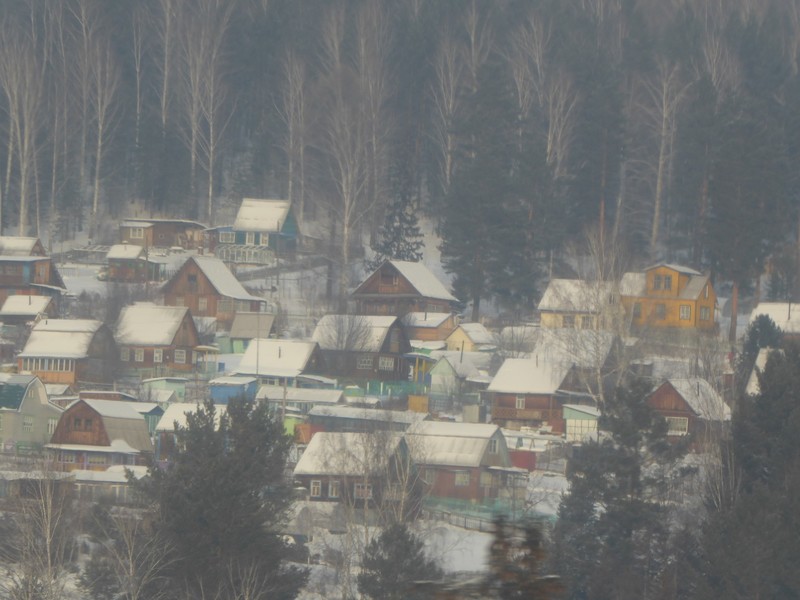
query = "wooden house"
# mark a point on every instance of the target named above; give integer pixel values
(151, 410)
(358, 419)
(363, 347)
(95, 434)
(299, 400)
(575, 303)
(399, 287)
(280, 362)
(357, 469)
(30, 275)
(22, 309)
(247, 326)
(110, 486)
(691, 407)
(130, 263)
(467, 462)
(264, 229)
(581, 422)
(429, 327)
(71, 351)
(21, 246)
(208, 288)
(223, 389)
(471, 337)
(156, 340)
(27, 417)
(162, 233)
(457, 378)
(669, 296)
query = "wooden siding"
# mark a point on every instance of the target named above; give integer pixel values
(539, 408)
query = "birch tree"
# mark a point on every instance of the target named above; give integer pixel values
(294, 113)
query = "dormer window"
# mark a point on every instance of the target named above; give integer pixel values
(667, 282)
(657, 282)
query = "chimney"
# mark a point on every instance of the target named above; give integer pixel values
(279, 351)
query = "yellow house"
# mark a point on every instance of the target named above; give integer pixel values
(669, 296)
(471, 337)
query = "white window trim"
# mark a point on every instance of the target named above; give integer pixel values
(137, 233)
(180, 356)
(362, 491)
(386, 363)
(315, 489)
(158, 355)
(682, 430)
(138, 355)
(334, 489)
(227, 237)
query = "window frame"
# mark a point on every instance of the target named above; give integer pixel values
(158, 355)
(568, 321)
(386, 363)
(658, 282)
(137, 233)
(334, 488)
(27, 423)
(705, 313)
(461, 478)
(520, 402)
(138, 355)
(364, 362)
(227, 237)
(685, 312)
(684, 421)
(315, 488)
(668, 282)
(362, 491)
(179, 356)
(250, 238)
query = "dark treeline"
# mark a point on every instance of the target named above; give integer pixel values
(670, 123)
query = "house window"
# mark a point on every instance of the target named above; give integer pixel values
(485, 479)
(227, 237)
(180, 357)
(27, 424)
(264, 239)
(677, 425)
(362, 491)
(138, 355)
(158, 355)
(333, 489)
(462, 478)
(76, 424)
(657, 282)
(202, 304)
(51, 425)
(191, 279)
(705, 313)
(637, 310)
(364, 363)
(686, 312)
(225, 305)
(137, 233)
(667, 282)
(661, 311)
(587, 322)
(87, 424)
(97, 459)
(250, 238)
(520, 402)
(66, 457)
(568, 321)
(386, 363)
(493, 446)
(316, 488)
(124, 354)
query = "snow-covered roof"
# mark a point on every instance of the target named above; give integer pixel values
(589, 410)
(425, 319)
(786, 315)
(125, 427)
(222, 279)
(704, 400)
(576, 295)
(249, 325)
(24, 305)
(348, 453)
(147, 324)
(62, 338)
(117, 446)
(529, 376)
(405, 417)
(124, 252)
(462, 366)
(679, 268)
(633, 284)
(753, 387)
(450, 444)
(481, 360)
(135, 223)
(261, 215)
(275, 393)
(114, 409)
(113, 474)
(694, 287)
(276, 358)
(361, 333)
(477, 333)
(17, 246)
(423, 280)
(234, 380)
(176, 413)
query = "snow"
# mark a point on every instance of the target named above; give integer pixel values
(24, 305)
(176, 413)
(114, 409)
(633, 284)
(576, 295)
(425, 319)
(147, 324)
(529, 376)
(450, 444)
(62, 338)
(478, 333)
(124, 251)
(17, 246)
(82, 278)
(753, 387)
(704, 399)
(423, 280)
(275, 358)
(406, 417)
(333, 332)
(261, 215)
(310, 395)
(785, 315)
(222, 279)
(347, 454)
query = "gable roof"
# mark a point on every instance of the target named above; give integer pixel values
(220, 276)
(425, 319)
(360, 333)
(121, 422)
(702, 398)
(423, 280)
(785, 315)
(124, 251)
(249, 325)
(753, 387)
(576, 295)
(148, 324)
(17, 246)
(276, 393)
(24, 305)
(276, 358)
(261, 215)
(679, 268)
(529, 376)
(450, 444)
(348, 453)
(63, 338)
(176, 414)
(477, 333)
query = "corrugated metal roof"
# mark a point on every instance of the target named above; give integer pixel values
(451, 444)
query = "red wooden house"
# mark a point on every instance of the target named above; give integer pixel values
(208, 288)
(691, 407)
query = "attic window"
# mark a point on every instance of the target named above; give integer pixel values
(493, 446)
(657, 282)
(667, 282)
(388, 277)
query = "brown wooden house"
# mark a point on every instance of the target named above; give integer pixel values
(156, 340)
(429, 327)
(691, 407)
(364, 347)
(95, 434)
(162, 233)
(71, 351)
(208, 288)
(399, 287)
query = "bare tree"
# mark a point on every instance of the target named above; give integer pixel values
(293, 111)
(345, 332)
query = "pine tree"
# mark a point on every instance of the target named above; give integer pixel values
(220, 504)
(393, 562)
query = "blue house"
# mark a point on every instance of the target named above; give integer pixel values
(222, 389)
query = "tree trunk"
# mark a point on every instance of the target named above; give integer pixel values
(734, 312)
